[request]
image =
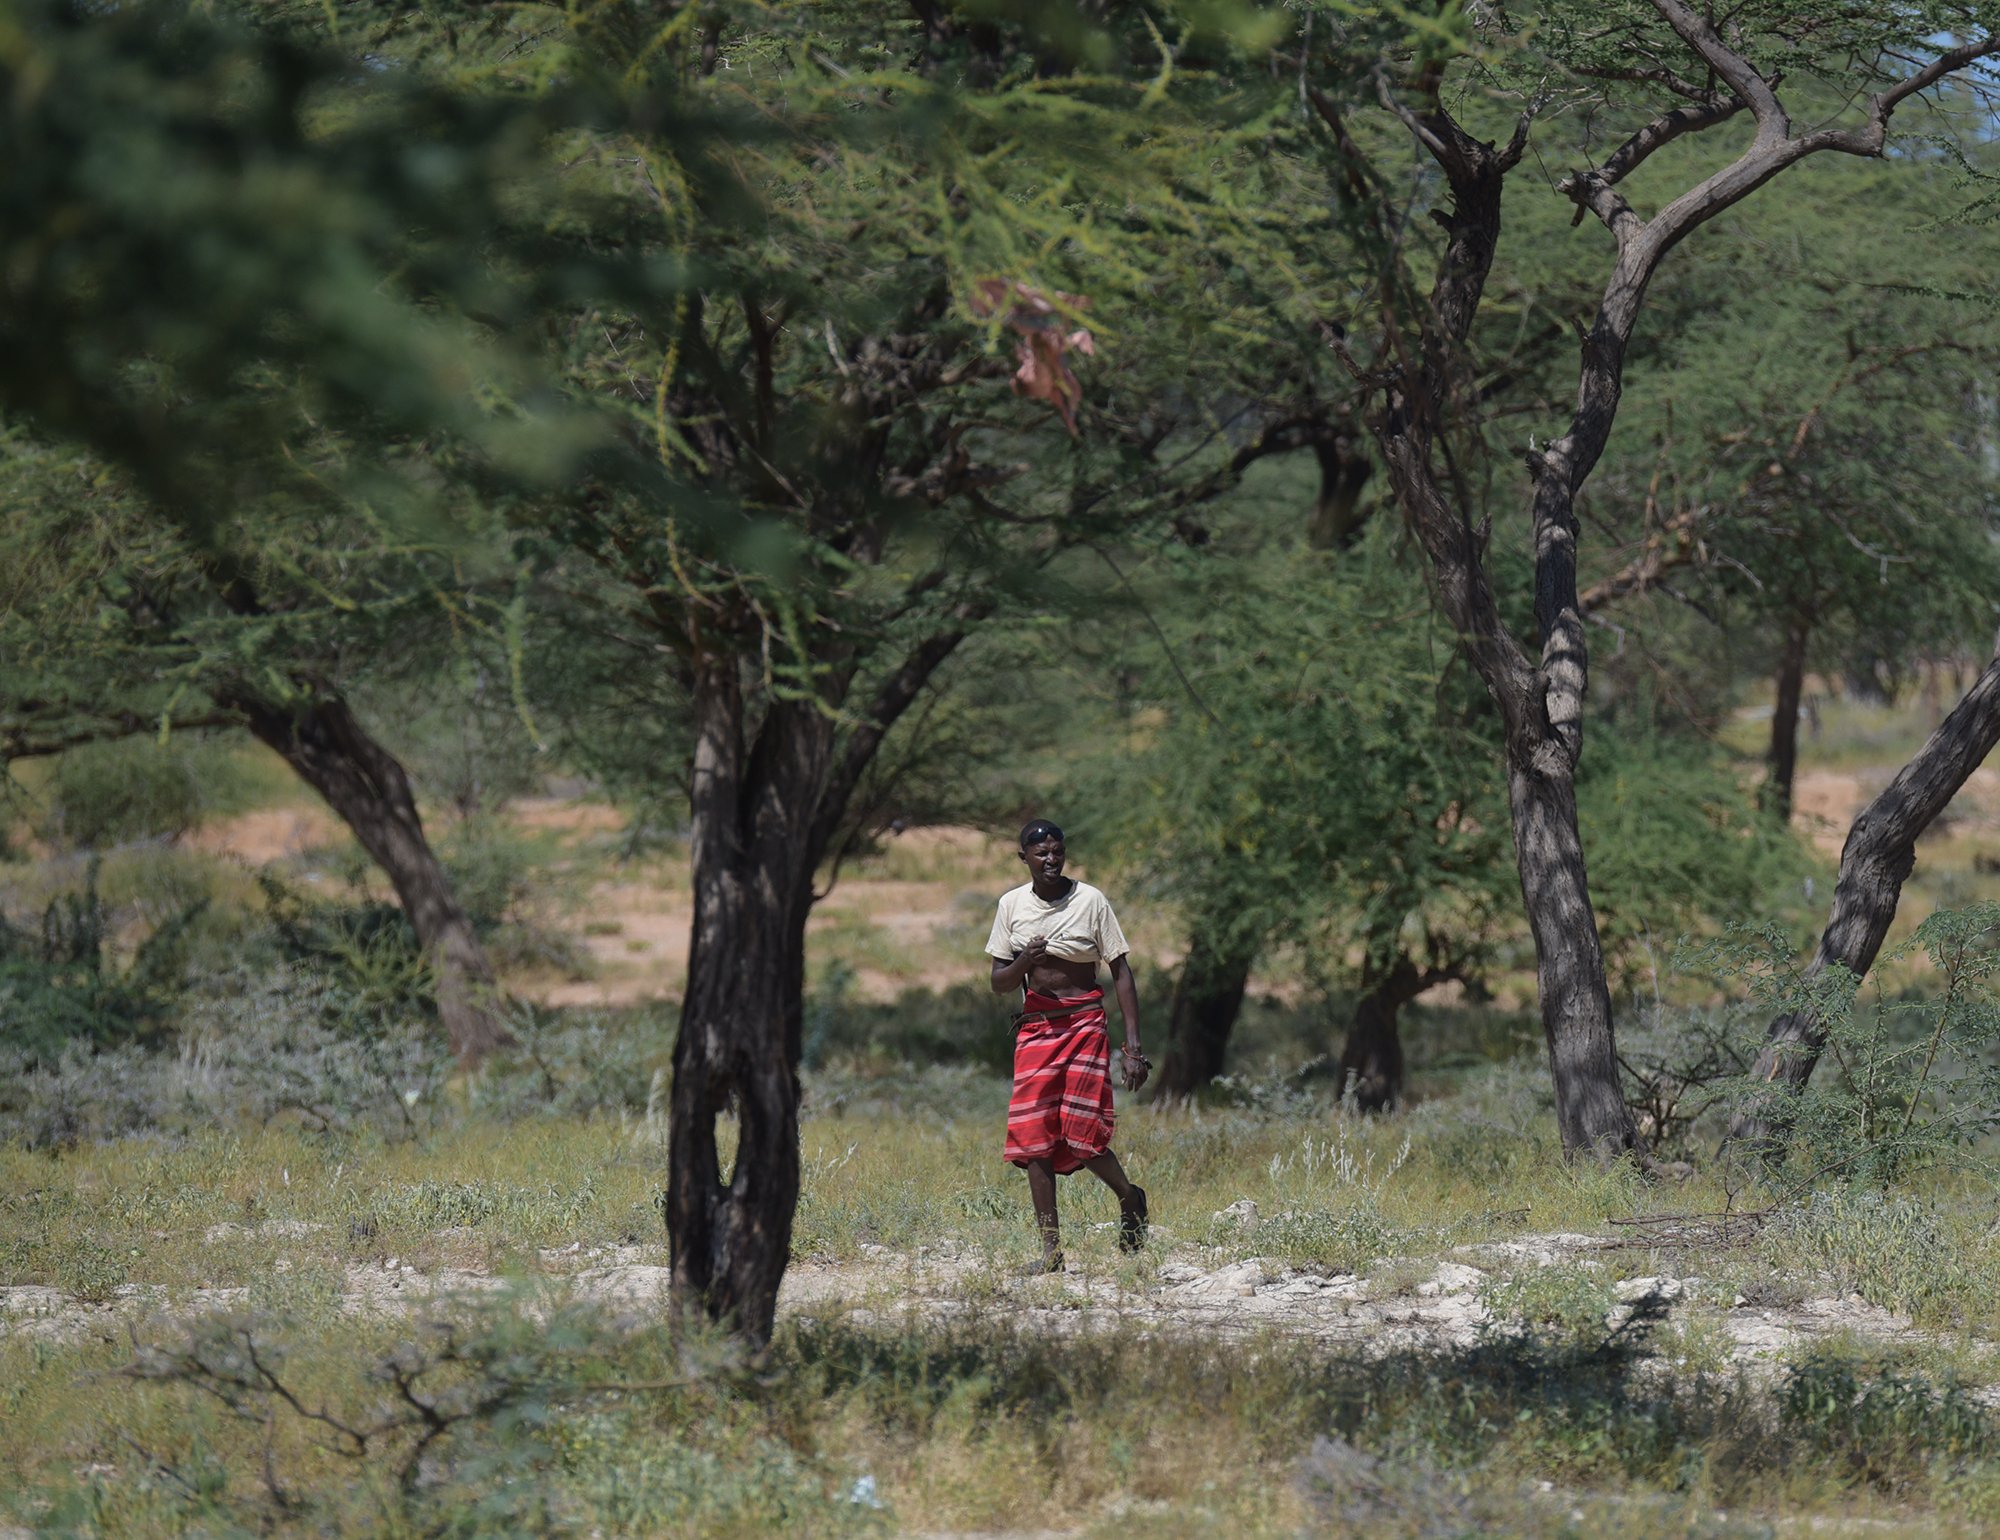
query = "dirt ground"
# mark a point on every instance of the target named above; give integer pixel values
(1399, 1305)
(892, 919)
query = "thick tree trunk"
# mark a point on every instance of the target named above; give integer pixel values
(1878, 857)
(1371, 1061)
(750, 843)
(367, 786)
(1208, 998)
(731, 1231)
(1339, 516)
(761, 816)
(1576, 1001)
(1776, 795)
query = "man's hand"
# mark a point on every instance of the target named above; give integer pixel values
(1137, 1068)
(1032, 953)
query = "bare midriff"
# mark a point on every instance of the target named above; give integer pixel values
(1061, 977)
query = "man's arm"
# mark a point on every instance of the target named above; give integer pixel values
(1127, 991)
(1010, 975)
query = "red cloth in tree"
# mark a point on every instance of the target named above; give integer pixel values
(1061, 1109)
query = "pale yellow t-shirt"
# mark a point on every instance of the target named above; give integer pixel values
(1080, 926)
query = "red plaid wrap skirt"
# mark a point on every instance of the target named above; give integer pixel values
(1061, 1109)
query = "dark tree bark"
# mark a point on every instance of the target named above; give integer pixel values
(764, 812)
(1208, 997)
(1569, 961)
(1541, 699)
(750, 843)
(1877, 859)
(1371, 1060)
(1541, 704)
(367, 787)
(1339, 515)
(1784, 756)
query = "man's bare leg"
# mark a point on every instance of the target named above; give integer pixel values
(1042, 1190)
(1131, 1199)
(1107, 1170)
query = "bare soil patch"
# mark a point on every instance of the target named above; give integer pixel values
(268, 834)
(1398, 1306)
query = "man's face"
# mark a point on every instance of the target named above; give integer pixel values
(1044, 860)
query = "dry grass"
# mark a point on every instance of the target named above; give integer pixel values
(972, 1422)
(996, 1408)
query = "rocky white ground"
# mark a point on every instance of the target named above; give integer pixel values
(1399, 1305)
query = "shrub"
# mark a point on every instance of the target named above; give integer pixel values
(577, 1063)
(88, 1272)
(1567, 1306)
(1343, 1241)
(1892, 1251)
(59, 987)
(1905, 1081)
(1884, 1427)
(503, 1417)
(960, 1024)
(368, 947)
(251, 1047)
(105, 793)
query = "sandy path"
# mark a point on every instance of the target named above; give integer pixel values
(1376, 1314)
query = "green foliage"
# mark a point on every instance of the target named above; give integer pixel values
(1672, 840)
(1826, 435)
(1884, 1425)
(108, 793)
(1568, 1305)
(1310, 780)
(88, 1272)
(1912, 1083)
(543, 1214)
(102, 794)
(1895, 1252)
(251, 294)
(1341, 1241)
(1313, 780)
(60, 984)
(960, 1024)
(368, 948)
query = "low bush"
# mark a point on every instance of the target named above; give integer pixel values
(1896, 1252)
(106, 793)
(250, 1048)
(62, 989)
(1568, 1305)
(1886, 1427)
(959, 1024)
(1904, 1079)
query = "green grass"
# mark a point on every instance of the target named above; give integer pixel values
(993, 1406)
(576, 1424)
(973, 1419)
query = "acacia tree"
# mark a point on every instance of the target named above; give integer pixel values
(1286, 658)
(115, 629)
(248, 381)
(1789, 377)
(1393, 875)
(868, 418)
(1696, 80)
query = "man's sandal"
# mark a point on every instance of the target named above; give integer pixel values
(1051, 1263)
(1132, 1221)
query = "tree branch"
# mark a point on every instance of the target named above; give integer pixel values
(1664, 130)
(892, 698)
(18, 741)
(1873, 135)
(1694, 30)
